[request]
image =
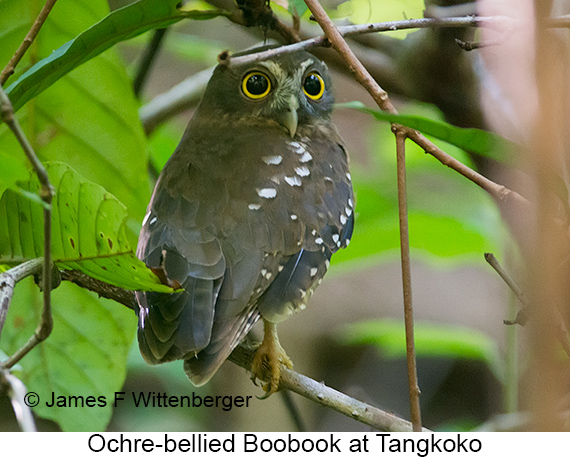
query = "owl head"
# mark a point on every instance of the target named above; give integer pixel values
(289, 91)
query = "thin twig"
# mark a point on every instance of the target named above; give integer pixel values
(148, 58)
(499, 192)
(8, 281)
(523, 315)
(28, 40)
(17, 392)
(492, 260)
(413, 388)
(325, 396)
(495, 22)
(46, 193)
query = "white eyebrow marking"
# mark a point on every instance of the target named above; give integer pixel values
(147, 215)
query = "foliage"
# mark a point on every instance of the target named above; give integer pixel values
(88, 231)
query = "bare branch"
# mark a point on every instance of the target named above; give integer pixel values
(28, 40)
(325, 396)
(46, 193)
(17, 392)
(8, 281)
(413, 388)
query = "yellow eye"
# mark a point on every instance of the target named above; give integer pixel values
(314, 86)
(255, 85)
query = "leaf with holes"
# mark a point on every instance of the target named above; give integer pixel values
(119, 25)
(88, 231)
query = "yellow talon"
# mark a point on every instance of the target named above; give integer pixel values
(268, 358)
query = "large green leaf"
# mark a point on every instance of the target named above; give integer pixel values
(122, 24)
(431, 340)
(88, 231)
(84, 356)
(89, 118)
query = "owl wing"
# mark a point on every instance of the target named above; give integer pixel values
(186, 253)
(299, 203)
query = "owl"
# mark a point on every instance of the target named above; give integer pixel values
(245, 216)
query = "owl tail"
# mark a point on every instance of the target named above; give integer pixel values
(226, 335)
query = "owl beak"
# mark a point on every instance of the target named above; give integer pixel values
(289, 120)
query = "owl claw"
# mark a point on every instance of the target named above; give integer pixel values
(267, 361)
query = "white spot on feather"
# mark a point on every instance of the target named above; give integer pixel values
(293, 180)
(335, 237)
(313, 271)
(267, 192)
(342, 219)
(302, 171)
(253, 206)
(298, 147)
(319, 240)
(306, 157)
(293, 217)
(272, 160)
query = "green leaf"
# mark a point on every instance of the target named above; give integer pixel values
(89, 118)
(298, 6)
(120, 25)
(13, 169)
(88, 231)
(363, 11)
(85, 354)
(478, 141)
(431, 340)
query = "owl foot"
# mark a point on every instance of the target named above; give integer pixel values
(267, 360)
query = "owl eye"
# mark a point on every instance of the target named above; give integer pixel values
(314, 86)
(256, 85)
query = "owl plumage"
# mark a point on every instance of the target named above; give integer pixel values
(245, 215)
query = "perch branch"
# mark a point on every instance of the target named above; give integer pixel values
(46, 193)
(8, 281)
(290, 380)
(325, 396)
(28, 40)
(413, 388)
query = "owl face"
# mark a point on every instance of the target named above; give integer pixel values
(288, 91)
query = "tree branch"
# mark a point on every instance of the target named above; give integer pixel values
(46, 193)
(28, 40)
(413, 387)
(325, 396)
(290, 380)
(8, 281)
